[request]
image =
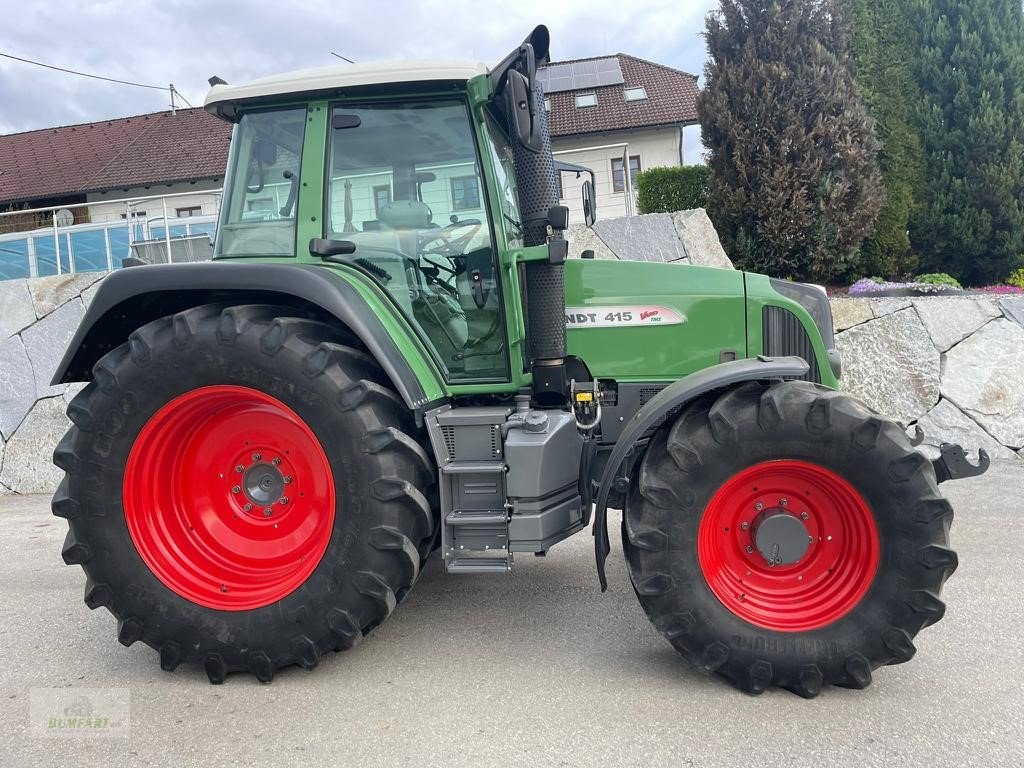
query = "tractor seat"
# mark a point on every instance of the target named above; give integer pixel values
(405, 214)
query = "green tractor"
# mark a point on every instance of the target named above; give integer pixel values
(390, 354)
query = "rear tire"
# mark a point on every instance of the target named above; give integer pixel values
(876, 528)
(179, 548)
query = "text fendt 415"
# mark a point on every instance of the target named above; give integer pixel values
(272, 444)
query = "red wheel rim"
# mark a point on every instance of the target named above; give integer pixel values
(821, 585)
(229, 497)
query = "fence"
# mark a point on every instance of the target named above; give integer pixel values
(44, 241)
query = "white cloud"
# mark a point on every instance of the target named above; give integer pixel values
(186, 41)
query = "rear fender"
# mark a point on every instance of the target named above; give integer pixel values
(129, 298)
(658, 408)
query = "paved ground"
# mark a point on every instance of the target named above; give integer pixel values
(536, 669)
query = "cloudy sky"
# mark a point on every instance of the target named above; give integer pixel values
(186, 41)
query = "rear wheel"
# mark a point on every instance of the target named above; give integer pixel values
(243, 489)
(788, 536)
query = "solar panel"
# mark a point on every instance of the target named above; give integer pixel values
(580, 75)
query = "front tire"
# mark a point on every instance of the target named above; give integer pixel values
(786, 535)
(244, 490)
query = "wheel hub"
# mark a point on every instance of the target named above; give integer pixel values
(781, 538)
(263, 484)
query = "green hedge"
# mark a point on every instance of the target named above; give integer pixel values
(666, 190)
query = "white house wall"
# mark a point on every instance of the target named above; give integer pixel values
(657, 147)
(203, 196)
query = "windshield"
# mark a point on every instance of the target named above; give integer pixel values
(258, 218)
(406, 188)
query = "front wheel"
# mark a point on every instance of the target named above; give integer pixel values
(786, 535)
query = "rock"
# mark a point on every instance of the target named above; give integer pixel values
(3, 488)
(945, 423)
(15, 307)
(889, 304)
(46, 342)
(70, 390)
(983, 377)
(846, 313)
(651, 237)
(950, 321)
(17, 385)
(583, 238)
(48, 293)
(890, 363)
(700, 239)
(28, 456)
(1013, 309)
(90, 293)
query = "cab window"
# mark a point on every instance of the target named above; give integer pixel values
(406, 188)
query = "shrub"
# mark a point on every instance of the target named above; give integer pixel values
(666, 190)
(1016, 278)
(938, 278)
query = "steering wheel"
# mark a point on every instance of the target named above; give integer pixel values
(450, 246)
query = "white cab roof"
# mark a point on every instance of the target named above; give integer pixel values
(347, 76)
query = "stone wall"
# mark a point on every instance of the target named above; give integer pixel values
(955, 366)
(952, 365)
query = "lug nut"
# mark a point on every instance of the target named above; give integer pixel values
(744, 525)
(285, 499)
(804, 516)
(287, 479)
(239, 468)
(247, 507)
(783, 502)
(268, 512)
(759, 506)
(276, 460)
(256, 457)
(750, 549)
(236, 489)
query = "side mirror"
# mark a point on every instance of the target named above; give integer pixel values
(558, 217)
(589, 204)
(324, 248)
(519, 106)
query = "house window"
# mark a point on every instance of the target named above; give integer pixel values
(260, 205)
(547, 105)
(381, 197)
(618, 178)
(586, 100)
(192, 210)
(465, 193)
(636, 94)
(135, 215)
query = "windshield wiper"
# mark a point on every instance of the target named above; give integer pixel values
(518, 225)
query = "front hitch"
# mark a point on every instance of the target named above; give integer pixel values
(952, 463)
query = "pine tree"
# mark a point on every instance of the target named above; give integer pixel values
(794, 187)
(885, 57)
(971, 115)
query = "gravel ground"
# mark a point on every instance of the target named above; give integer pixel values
(536, 669)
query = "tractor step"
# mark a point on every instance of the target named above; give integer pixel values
(459, 518)
(479, 564)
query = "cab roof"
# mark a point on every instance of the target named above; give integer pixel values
(222, 97)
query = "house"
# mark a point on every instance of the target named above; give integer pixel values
(616, 115)
(132, 157)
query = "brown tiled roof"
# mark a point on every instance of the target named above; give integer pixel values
(136, 151)
(671, 100)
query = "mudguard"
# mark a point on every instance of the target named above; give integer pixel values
(132, 297)
(655, 411)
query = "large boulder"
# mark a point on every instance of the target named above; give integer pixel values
(891, 364)
(48, 339)
(15, 307)
(17, 385)
(945, 423)
(950, 321)
(983, 377)
(685, 237)
(846, 313)
(582, 238)
(700, 240)
(48, 293)
(28, 456)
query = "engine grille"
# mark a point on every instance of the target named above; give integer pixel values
(784, 336)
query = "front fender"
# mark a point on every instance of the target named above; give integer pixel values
(677, 394)
(132, 297)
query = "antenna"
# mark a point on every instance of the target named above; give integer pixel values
(343, 58)
(174, 106)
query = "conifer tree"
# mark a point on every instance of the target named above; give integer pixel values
(794, 186)
(970, 72)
